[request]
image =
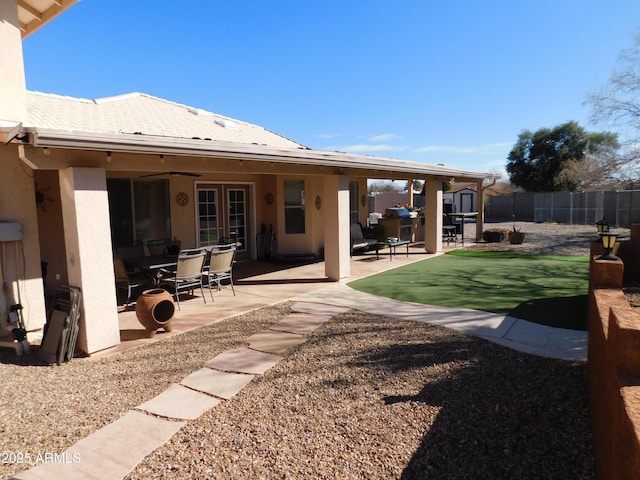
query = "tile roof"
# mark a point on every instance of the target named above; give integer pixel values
(145, 114)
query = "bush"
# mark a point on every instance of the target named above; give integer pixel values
(377, 231)
(494, 235)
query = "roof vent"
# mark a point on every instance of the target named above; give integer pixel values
(199, 111)
(224, 123)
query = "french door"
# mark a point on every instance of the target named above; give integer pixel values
(223, 216)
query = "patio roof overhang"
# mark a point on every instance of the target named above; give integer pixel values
(33, 14)
(263, 157)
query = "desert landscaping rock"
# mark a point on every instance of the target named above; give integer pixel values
(366, 397)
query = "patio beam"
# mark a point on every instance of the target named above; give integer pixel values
(128, 143)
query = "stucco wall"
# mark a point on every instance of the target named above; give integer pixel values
(22, 260)
(614, 365)
(52, 248)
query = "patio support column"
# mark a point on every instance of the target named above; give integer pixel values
(433, 216)
(480, 210)
(87, 235)
(410, 192)
(13, 109)
(337, 233)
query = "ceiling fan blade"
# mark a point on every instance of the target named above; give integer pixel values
(172, 174)
(184, 174)
(152, 175)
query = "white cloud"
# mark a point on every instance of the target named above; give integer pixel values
(486, 149)
(385, 137)
(328, 135)
(368, 147)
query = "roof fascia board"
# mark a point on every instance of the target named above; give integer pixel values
(58, 7)
(127, 143)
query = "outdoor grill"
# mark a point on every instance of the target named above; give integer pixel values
(397, 212)
(398, 222)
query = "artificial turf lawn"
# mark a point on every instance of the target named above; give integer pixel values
(550, 290)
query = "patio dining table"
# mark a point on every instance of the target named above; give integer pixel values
(152, 264)
(459, 221)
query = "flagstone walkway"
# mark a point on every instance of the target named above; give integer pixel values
(115, 450)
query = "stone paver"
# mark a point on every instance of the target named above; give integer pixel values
(300, 323)
(179, 402)
(244, 360)
(319, 308)
(274, 342)
(110, 453)
(221, 384)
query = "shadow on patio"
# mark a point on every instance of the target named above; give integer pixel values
(257, 284)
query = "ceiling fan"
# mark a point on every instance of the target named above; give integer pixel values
(172, 174)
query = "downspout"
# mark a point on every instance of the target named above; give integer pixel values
(23, 157)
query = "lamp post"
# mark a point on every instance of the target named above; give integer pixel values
(608, 242)
(602, 226)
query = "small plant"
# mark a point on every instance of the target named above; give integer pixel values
(173, 248)
(515, 229)
(515, 235)
(494, 235)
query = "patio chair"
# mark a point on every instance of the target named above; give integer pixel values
(219, 268)
(128, 281)
(158, 246)
(358, 242)
(449, 230)
(135, 250)
(188, 274)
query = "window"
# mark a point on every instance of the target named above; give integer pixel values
(353, 202)
(139, 210)
(294, 218)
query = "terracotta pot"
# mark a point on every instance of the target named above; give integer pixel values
(155, 309)
(516, 238)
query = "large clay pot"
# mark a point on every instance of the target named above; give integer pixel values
(515, 238)
(155, 309)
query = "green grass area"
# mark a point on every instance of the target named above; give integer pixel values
(550, 290)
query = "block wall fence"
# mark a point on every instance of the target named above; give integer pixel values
(614, 361)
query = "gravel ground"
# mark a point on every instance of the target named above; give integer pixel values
(367, 397)
(373, 398)
(543, 238)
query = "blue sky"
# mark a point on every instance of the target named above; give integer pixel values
(448, 81)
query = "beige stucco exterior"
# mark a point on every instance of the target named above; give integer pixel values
(71, 163)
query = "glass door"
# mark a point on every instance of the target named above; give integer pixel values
(223, 217)
(209, 214)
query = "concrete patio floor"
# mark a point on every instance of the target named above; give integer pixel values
(257, 284)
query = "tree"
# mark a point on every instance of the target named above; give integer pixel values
(600, 170)
(379, 186)
(618, 104)
(546, 160)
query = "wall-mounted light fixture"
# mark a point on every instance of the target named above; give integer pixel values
(108, 156)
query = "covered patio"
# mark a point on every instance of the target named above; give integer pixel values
(257, 284)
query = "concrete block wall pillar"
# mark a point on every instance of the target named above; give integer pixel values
(13, 92)
(337, 239)
(433, 216)
(85, 211)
